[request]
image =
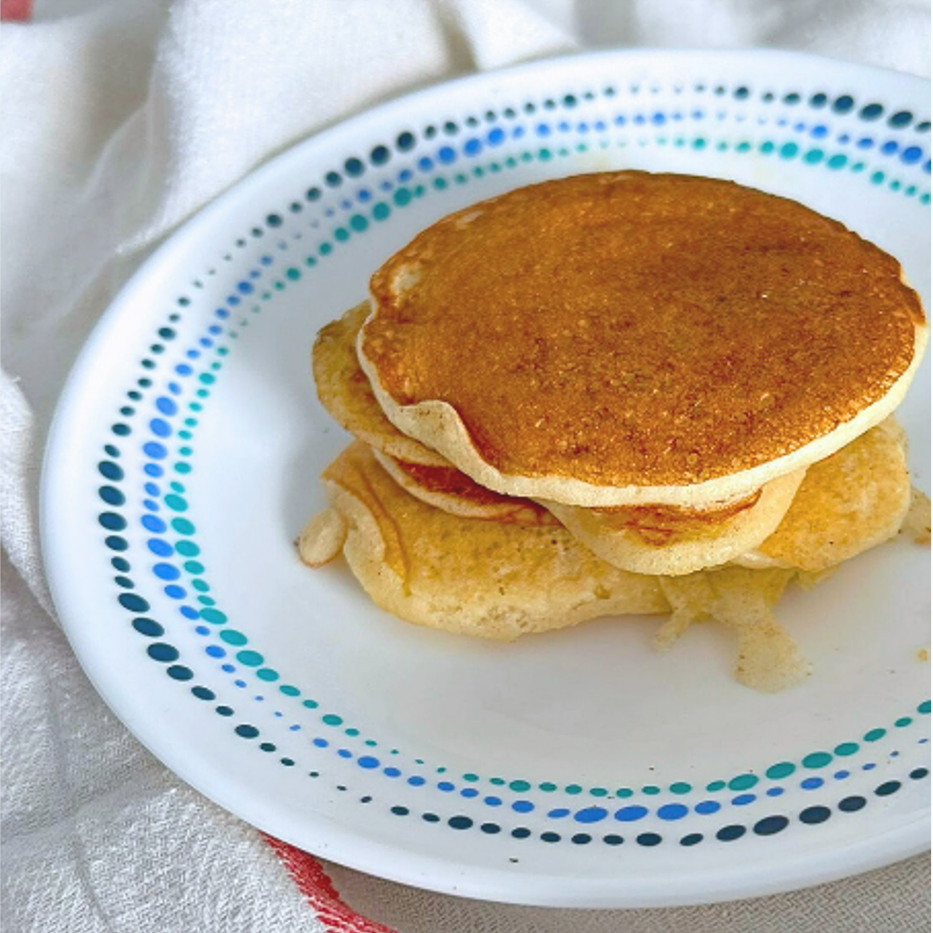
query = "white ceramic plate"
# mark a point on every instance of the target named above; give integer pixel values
(575, 768)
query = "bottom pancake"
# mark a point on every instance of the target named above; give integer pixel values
(470, 576)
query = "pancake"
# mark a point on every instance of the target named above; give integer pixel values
(491, 579)
(628, 339)
(345, 392)
(673, 540)
(848, 503)
(445, 487)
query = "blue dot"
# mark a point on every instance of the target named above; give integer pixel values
(425, 164)
(416, 780)
(629, 814)
(152, 489)
(706, 806)
(153, 469)
(215, 651)
(889, 147)
(344, 753)
(591, 815)
(818, 132)
(193, 354)
(202, 630)
(446, 786)
(841, 775)
(166, 572)
(558, 813)
(811, 783)
(469, 792)
(150, 505)
(245, 288)
(774, 791)
(673, 811)
(152, 523)
(175, 592)
(391, 772)
(912, 154)
(159, 547)
(542, 129)
(183, 369)
(868, 766)
(472, 147)
(659, 119)
(320, 743)
(446, 155)
(155, 450)
(492, 801)
(744, 799)
(495, 136)
(367, 761)
(189, 613)
(523, 806)
(160, 427)
(174, 388)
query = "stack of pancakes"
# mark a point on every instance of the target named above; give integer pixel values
(618, 393)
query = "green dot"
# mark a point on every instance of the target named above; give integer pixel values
(233, 637)
(598, 791)
(176, 503)
(498, 781)
(187, 549)
(681, 787)
(624, 792)
(311, 704)
(213, 615)
(817, 760)
(874, 734)
(743, 782)
(381, 211)
(766, 147)
(182, 468)
(267, 674)
(250, 658)
(837, 161)
(440, 183)
(290, 273)
(781, 770)
(358, 223)
(341, 234)
(812, 156)
(573, 789)
(903, 721)
(402, 197)
(289, 690)
(547, 787)
(651, 789)
(877, 178)
(331, 719)
(519, 786)
(201, 586)
(846, 749)
(183, 526)
(924, 707)
(788, 150)
(715, 785)
(699, 143)
(472, 778)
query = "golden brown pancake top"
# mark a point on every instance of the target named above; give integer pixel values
(640, 329)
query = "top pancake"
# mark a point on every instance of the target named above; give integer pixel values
(629, 338)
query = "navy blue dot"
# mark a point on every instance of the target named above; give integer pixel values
(430, 817)
(354, 167)
(648, 839)
(919, 773)
(120, 564)
(613, 840)
(160, 651)
(521, 832)
(111, 451)
(267, 746)
(116, 543)
(125, 582)
(122, 430)
(379, 155)
(490, 828)
(818, 100)
(728, 833)
(550, 837)
(246, 731)
(224, 711)
(110, 470)
(333, 179)
(691, 839)
(133, 602)
(312, 194)
(274, 220)
(843, 104)
(852, 804)
(813, 815)
(148, 627)
(111, 495)
(888, 788)
(581, 839)
(460, 822)
(770, 825)
(901, 118)
(180, 672)
(400, 811)
(112, 521)
(405, 141)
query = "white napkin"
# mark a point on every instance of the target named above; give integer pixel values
(119, 120)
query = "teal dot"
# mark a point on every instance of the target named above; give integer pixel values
(519, 786)
(250, 658)
(766, 147)
(789, 150)
(544, 154)
(213, 615)
(192, 566)
(895, 185)
(187, 549)
(845, 749)
(325, 248)
(201, 586)
(372, 743)
(381, 211)
(233, 637)
(598, 791)
(331, 719)
(874, 734)
(191, 422)
(812, 156)
(310, 261)
(341, 234)
(182, 468)
(743, 782)
(440, 183)
(925, 197)
(472, 778)
(498, 781)
(624, 792)
(699, 143)
(547, 787)
(681, 787)
(207, 601)
(291, 273)
(289, 690)
(195, 406)
(176, 503)
(358, 223)
(837, 161)
(402, 197)
(910, 190)
(511, 162)
(924, 707)
(651, 789)
(781, 770)
(903, 721)
(743, 147)
(478, 172)
(311, 704)
(573, 789)
(715, 785)
(183, 526)
(877, 178)
(351, 732)
(267, 674)
(185, 435)
(215, 366)
(817, 760)
(722, 146)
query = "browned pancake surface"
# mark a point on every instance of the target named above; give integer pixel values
(639, 329)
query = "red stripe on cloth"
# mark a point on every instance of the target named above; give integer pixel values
(19, 10)
(319, 891)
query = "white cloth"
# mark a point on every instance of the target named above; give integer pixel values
(119, 120)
